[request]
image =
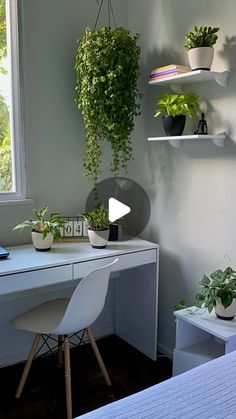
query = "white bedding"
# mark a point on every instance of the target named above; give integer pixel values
(205, 392)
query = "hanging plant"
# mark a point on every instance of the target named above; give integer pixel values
(107, 70)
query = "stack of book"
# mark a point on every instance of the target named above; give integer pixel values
(168, 71)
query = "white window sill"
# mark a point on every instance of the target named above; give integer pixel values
(14, 202)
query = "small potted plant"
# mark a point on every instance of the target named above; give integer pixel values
(43, 231)
(219, 292)
(199, 43)
(98, 226)
(174, 109)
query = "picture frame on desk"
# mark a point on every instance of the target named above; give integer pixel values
(75, 229)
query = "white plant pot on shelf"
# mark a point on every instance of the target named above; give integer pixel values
(98, 239)
(227, 313)
(40, 244)
(201, 58)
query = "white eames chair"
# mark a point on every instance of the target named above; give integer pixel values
(65, 316)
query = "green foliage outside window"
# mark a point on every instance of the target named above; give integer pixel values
(5, 141)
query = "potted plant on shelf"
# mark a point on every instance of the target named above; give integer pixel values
(107, 69)
(174, 109)
(43, 231)
(219, 292)
(199, 43)
(98, 226)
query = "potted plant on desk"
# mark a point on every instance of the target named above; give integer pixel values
(174, 109)
(219, 292)
(98, 226)
(199, 43)
(43, 231)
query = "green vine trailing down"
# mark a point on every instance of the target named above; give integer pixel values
(107, 69)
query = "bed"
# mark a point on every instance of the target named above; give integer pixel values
(205, 392)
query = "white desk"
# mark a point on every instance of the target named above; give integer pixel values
(26, 275)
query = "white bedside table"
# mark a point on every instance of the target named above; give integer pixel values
(201, 337)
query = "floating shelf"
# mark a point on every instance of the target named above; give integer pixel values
(176, 82)
(175, 141)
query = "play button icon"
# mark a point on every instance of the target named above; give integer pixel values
(117, 210)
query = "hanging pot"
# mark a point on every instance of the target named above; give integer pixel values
(227, 313)
(201, 58)
(40, 244)
(99, 238)
(173, 125)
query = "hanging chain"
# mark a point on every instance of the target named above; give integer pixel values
(99, 11)
(110, 12)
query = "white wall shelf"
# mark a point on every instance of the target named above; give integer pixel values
(176, 82)
(175, 141)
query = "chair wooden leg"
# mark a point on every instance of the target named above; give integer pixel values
(98, 356)
(28, 365)
(60, 350)
(67, 378)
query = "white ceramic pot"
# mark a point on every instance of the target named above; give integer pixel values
(225, 313)
(98, 239)
(40, 244)
(201, 58)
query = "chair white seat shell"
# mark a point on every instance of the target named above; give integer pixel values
(44, 318)
(65, 316)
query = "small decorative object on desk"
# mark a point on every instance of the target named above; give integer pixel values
(74, 230)
(202, 126)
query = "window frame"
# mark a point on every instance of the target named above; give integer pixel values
(16, 121)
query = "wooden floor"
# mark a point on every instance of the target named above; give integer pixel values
(43, 396)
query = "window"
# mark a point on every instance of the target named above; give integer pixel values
(12, 179)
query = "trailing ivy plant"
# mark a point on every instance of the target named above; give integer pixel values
(107, 69)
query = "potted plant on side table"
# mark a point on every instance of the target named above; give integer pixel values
(43, 231)
(199, 43)
(175, 108)
(219, 292)
(98, 226)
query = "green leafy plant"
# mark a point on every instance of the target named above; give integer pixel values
(220, 285)
(107, 69)
(97, 219)
(201, 36)
(41, 225)
(183, 104)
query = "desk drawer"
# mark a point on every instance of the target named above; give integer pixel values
(34, 279)
(127, 261)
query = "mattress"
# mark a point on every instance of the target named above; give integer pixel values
(205, 392)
